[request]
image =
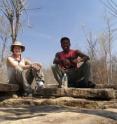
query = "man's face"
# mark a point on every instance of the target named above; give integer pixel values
(65, 45)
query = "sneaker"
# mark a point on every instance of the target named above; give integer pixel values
(27, 94)
(40, 84)
(30, 95)
(91, 84)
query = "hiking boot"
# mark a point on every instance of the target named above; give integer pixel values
(91, 84)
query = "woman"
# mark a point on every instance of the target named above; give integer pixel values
(21, 71)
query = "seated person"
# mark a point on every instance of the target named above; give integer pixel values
(21, 71)
(72, 62)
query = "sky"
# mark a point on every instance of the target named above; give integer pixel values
(44, 27)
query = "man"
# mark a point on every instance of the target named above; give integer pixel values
(21, 71)
(72, 62)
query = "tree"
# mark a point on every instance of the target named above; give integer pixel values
(100, 52)
(111, 5)
(12, 10)
(4, 35)
(92, 44)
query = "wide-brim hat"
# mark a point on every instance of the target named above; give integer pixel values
(17, 43)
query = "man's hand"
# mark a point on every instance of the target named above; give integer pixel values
(66, 63)
(79, 64)
(79, 61)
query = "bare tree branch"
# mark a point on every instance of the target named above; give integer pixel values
(12, 9)
(111, 6)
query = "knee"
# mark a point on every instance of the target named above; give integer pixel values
(87, 64)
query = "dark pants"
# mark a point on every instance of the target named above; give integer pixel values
(77, 77)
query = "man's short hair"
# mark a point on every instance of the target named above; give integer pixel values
(64, 38)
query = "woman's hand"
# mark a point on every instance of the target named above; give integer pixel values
(36, 66)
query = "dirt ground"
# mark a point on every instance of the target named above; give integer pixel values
(51, 114)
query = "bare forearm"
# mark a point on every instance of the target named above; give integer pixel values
(83, 56)
(27, 66)
(57, 61)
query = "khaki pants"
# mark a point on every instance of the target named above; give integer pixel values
(75, 76)
(25, 78)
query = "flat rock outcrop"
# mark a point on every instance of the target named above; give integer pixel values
(88, 93)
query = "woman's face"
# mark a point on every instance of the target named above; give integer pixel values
(17, 50)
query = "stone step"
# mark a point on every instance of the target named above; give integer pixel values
(114, 86)
(61, 101)
(88, 93)
(4, 87)
(116, 94)
(52, 85)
